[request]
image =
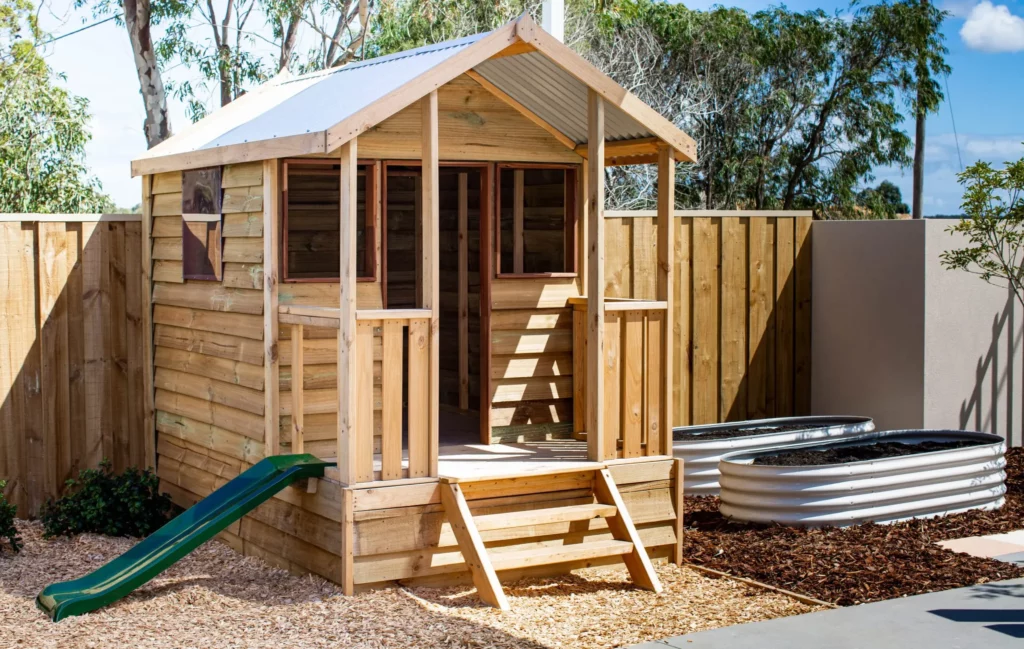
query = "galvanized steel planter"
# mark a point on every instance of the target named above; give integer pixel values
(701, 456)
(886, 490)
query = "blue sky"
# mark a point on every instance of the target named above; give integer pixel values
(986, 90)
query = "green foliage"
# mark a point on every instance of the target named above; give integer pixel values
(404, 24)
(42, 127)
(129, 504)
(993, 206)
(882, 202)
(789, 109)
(7, 529)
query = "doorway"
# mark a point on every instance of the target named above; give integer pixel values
(463, 202)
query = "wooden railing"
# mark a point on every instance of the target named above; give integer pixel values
(404, 347)
(634, 376)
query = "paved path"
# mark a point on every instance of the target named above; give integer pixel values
(990, 616)
(1007, 547)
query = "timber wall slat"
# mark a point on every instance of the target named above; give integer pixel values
(742, 291)
(70, 352)
(208, 335)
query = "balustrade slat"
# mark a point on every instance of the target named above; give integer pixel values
(391, 401)
(419, 394)
(612, 383)
(364, 401)
(631, 408)
(654, 389)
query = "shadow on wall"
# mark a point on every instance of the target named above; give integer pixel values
(70, 352)
(742, 293)
(994, 375)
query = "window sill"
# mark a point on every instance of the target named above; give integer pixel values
(324, 280)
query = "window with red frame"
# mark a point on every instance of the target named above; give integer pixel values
(536, 210)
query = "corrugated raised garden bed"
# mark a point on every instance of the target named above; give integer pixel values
(860, 563)
(701, 447)
(878, 477)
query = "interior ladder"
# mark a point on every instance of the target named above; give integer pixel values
(483, 565)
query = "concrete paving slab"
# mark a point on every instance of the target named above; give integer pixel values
(1015, 537)
(1016, 557)
(988, 615)
(980, 546)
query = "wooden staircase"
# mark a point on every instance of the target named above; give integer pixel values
(484, 565)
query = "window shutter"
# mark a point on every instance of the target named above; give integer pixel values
(201, 240)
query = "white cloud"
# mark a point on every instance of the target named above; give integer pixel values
(992, 28)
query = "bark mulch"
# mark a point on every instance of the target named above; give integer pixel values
(861, 563)
(217, 599)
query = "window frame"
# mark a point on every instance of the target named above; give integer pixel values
(373, 217)
(211, 223)
(571, 221)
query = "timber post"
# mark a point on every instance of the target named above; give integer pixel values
(596, 444)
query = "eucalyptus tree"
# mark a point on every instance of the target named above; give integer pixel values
(138, 18)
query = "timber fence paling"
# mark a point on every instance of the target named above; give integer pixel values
(741, 293)
(70, 349)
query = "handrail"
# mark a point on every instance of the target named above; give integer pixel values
(330, 317)
(392, 314)
(622, 304)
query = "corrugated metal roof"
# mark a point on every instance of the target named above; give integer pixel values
(310, 103)
(554, 95)
(300, 114)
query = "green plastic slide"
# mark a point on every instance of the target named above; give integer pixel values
(177, 538)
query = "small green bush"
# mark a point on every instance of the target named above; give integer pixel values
(129, 504)
(7, 529)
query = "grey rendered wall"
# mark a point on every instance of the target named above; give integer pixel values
(867, 319)
(972, 338)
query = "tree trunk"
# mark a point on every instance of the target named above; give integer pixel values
(226, 87)
(291, 33)
(918, 164)
(157, 125)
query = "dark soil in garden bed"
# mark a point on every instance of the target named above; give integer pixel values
(862, 563)
(741, 431)
(846, 454)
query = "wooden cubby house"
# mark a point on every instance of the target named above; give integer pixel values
(398, 265)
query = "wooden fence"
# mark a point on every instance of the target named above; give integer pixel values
(742, 308)
(70, 350)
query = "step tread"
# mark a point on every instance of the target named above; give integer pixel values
(541, 516)
(559, 554)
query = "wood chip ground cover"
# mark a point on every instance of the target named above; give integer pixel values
(216, 598)
(862, 563)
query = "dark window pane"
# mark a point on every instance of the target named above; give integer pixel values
(200, 191)
(543, 200)
(314, 210)
(201, 250)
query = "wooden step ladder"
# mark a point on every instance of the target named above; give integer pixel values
(483, 566)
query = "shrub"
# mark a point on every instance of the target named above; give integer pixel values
(7, 529)
(129, 504)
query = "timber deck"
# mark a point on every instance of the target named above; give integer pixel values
(475, 461)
